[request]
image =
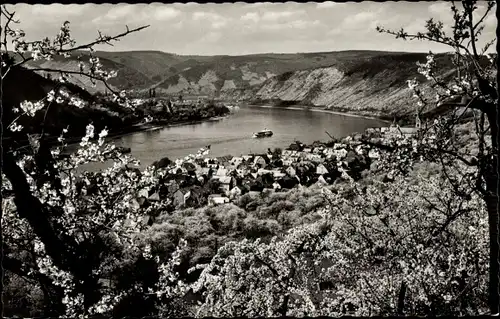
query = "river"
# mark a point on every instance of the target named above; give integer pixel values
(232, 135)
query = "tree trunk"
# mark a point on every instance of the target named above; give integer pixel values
(401, 299)
(493, 221)
(61, 247)
(492, 204)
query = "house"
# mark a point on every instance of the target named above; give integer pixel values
(340, 153)
(235, 192)
(321, 169)
(225, 160)
(408, 130)
(262, 171)
(276, 186)
(178, 170)
(221, 171)
(217, 199)
(313, 157)
(372, 130)
(202, 179)
(242, 166)
(322, 181)
(259, 161)
(254, 193)
(307, 150)
(278, 174)
(189, 167)
(297, 146)
(206, 171)
(358, 137)
(291, 171)
(328, 152)
(226, 183)
(347, 139)
(181, 196)
(235, 161)
(286, 153)
(154, 197)
(247, 158)
(359, 149)
(163, 163)
(287, 162)
(200, 161)
(233, 173)
(143, 193)
(135, 204)
(373, 154)
(268, 190)
(242, 171)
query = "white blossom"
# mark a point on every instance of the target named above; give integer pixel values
(31, 108)
(14, 127)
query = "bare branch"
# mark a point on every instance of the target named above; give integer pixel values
(101, 41)
(78, 73)
(9, 17)
(491, 4)
(469, 8)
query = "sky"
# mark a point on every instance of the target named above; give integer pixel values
(239, 28)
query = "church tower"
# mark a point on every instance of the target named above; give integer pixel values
(418, 123)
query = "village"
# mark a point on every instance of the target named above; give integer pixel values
(197, 180)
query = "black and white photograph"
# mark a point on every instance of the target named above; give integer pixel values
(263, 159)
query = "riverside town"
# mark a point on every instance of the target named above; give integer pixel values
(249, 159)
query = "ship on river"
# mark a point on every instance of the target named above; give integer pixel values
(264, 133)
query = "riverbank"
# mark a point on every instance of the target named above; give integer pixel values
(316, 109)
(156, 126)
(142, 127)
(233, 135)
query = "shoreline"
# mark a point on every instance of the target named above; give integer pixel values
(315, 109)
(147, 127)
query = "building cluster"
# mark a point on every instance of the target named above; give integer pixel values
(199, 181)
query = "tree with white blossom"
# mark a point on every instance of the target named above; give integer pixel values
(63, 229)
(379, 249)
(471, 91)
(414, 245)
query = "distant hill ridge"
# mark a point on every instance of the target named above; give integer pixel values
(363, 82)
